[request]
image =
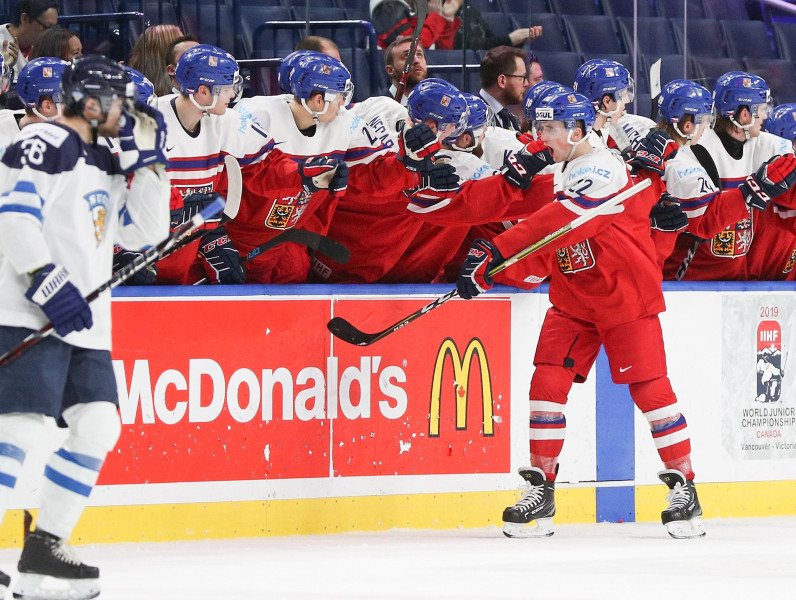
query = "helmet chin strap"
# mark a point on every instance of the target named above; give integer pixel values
(745, 128)
(36, 112)
(205, 109)
(573, 144)
(315, 114)
(687, 137)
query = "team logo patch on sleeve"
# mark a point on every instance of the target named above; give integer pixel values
(791, 261)
(285, 212)
(576, 257)
(98, 208)
(734, 241)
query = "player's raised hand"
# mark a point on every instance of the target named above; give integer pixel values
(220, 259)
(142, 138)
(416, 145)
(473, 276)
(321, 173)
(438, 183)
(652, 152)
(774, 177)
(520, 167)
(60, 300)
(668, 215)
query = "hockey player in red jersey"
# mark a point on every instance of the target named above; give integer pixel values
(606, 290)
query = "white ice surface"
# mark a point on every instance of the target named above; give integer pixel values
(739, 559)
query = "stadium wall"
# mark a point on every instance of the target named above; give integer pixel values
(243, 417)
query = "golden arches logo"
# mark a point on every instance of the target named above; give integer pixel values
(461, 376)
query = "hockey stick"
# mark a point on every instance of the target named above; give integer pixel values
(164, 248)
(325, 245)
(422, 11)
(655, 85)
(344, 330)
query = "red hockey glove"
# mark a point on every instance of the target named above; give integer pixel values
(416, 145)
(318, 173)
(220, 258)
(473, 278)
(667, 215)
(439, 183)
(520, 167)
(773, 178)
(526, 138)
(652, 152)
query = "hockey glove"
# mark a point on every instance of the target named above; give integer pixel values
(142, 138)
(416, 145)
(192, 204)
(220, 258)
(652, 152)
(122, 258)
(319, 172)
(667, 215)
(473, 277)
(773, 178)
(520, 167)
(437, 184)
(60, 300)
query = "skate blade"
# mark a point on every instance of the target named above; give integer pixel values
(684, 530)
(44, 587)
(543, 528)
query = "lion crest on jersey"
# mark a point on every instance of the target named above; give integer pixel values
(285, 212)
(791, 261)
(98, 209)
(576, 257)
(734, 241)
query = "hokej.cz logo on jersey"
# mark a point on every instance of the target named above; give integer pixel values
(285, 212)
(98, 207)
(576, 257)
(212, 61)
(461, 378)
(733, 241)
(770, 361)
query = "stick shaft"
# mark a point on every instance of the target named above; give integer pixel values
(422, 10)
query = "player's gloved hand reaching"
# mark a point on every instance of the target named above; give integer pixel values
(774, 177)
(142, 138)
(122, 258)
(324, 173)
(473, 278)
(60, 300)
(520, 167)
(438, 183)
(220, 258)
(416, 146)
(652, 152)
(668, 215)
(192, 205)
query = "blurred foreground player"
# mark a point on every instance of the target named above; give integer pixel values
(67, 201)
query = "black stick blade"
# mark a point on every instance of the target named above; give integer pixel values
(340, 328)
(333, 249)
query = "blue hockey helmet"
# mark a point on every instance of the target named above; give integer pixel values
(567, 106)
(738, 88)
(684, 97)
(479, 117)
(440, 101)
(144, 87)
(95, 76)
(207, 65)
(41, 77)
(597, 77)
(536, 94)
(316, 72)
(782, 121)
(285, 68)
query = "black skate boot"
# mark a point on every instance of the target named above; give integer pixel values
(49, 569)
(683, 517)
(537, 504)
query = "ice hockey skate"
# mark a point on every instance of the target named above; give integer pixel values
(683, 517)
(49, 569)
(5, 581)
(536, 504)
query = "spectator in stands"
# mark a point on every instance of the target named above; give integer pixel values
(176, 49)
(149, 55)
(504, 81)
(57, 42)
(394, 61)
(442, 29)
(317, 43)
(31, 19)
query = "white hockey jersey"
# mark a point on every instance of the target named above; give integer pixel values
(9, 128)
(67, 202)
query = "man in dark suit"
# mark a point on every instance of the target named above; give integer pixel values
(504, 81)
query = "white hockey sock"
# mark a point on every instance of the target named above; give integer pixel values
(18, 433)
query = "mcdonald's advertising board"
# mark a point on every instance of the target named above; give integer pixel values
(262, 390)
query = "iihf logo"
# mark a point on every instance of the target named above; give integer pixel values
(97, 206)
(770, 362)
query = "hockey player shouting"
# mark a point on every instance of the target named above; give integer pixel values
(66, 202)
(605, 289)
